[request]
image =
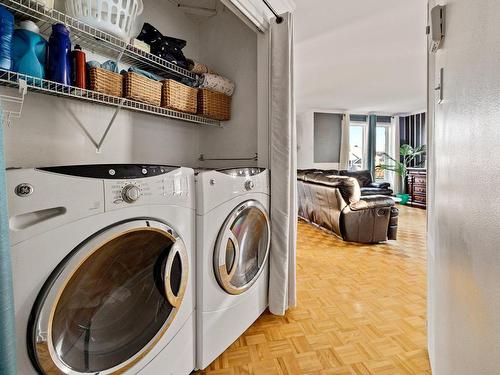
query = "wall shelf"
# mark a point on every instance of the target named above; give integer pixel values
(94, 40)
(12, 79)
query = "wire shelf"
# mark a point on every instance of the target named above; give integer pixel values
(12, 79)
(95, 40)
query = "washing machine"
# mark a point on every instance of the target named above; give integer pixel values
(233, 238)
(103, 268)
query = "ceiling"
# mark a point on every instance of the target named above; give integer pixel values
(361, 55)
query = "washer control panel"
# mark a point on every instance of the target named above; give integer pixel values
(174, 188)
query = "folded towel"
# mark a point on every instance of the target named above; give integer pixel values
(108, 65)
(145, 74)
(199, 68)
(217, 83)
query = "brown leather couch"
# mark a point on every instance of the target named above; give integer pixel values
(365, 180)
(335, 204)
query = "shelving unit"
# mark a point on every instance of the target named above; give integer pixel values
(93, 39)
(99, 42)
(12, 79)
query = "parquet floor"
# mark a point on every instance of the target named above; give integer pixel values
(361, 310)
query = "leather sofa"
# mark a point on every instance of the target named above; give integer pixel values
(335, 204)
(365, 180)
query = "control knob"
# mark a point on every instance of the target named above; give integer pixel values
(131, 193)
(249, 185)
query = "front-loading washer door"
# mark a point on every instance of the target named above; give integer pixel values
(242, 247)
(110, 300)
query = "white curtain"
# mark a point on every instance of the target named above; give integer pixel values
(282, 293)
(396, 179)
(345, 147)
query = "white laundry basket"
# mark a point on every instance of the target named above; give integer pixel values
(112, 16)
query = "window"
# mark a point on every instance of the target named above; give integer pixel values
(358, 142)
(383, 146)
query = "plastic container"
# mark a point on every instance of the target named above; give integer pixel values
(29, 50)
(59, 59)
(6, 32)
(111, 16)
(78, 68)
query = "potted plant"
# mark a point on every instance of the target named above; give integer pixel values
(400, 167)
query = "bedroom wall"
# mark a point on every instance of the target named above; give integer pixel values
(52, 131)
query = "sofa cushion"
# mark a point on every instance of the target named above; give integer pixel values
(364, 177)
(366, 191)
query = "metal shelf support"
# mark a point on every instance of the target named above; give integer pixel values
(113, 118)
(7, 101)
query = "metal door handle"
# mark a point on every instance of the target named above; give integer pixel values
(224, 274)
(175, 300)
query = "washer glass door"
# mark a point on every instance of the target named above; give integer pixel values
(110, 301)
(242, 247)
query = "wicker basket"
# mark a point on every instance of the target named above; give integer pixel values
(214, 105)
(142, 89)
(180, 97)
(106, 82)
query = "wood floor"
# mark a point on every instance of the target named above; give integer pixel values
(361, 310)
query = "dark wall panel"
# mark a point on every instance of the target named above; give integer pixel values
(327, 137)
(413, 131)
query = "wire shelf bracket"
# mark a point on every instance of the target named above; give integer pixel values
(12, 106)
(110, 124)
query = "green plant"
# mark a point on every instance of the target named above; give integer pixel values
(408, 155)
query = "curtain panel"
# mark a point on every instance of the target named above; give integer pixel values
(282, 292)
(345, 147)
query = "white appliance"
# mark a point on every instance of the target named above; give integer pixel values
(103, 266)
(233, 238)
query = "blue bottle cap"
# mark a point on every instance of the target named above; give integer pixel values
(60, 28)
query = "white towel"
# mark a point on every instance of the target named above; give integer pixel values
(218, 83)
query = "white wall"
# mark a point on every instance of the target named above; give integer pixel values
(464, 210)
(52, 131)
(230, 47)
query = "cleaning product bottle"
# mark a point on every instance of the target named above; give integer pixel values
(29, 50)
(78, 68)
(58, 55)
(6, 31)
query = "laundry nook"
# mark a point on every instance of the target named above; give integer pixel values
(138, 168)
(249, 187)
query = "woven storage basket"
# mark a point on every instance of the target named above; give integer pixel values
(106, 82)
(214, 105)
(142, 89)
(180, 97)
